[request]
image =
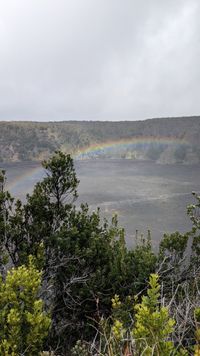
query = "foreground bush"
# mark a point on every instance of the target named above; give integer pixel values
(23, 323)
(148, 333)
(85, 261)
(151, 327)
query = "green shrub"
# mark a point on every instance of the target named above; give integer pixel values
(23, 323)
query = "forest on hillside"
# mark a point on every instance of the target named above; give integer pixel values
(34, 141)
(70, 286)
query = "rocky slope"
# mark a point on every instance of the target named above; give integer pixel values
(21, 141)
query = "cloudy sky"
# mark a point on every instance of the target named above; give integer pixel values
(99, 59)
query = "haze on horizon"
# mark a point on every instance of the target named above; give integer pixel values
(99, 59)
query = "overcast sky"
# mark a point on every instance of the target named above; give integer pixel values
(99, 59)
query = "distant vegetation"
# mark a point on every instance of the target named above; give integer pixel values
(24, 141)
(69, 285)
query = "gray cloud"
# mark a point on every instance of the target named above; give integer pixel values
(99, 59)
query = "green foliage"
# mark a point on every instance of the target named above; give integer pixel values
(174, 244)
(99, 258)
(61, 181)
(153, 325)
(178, 265)
(172, 250)
(174, 247)
(25, 228)
(80, 349)
(150, 331)
(23, 323)
(123, 311)
(85, 261)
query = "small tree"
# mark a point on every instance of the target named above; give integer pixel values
(23, 227)
(23, 323)
(153, 325)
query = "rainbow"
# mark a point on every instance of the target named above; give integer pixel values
(19, 183)
(34, 174)
(135, 143)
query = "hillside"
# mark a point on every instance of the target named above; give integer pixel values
(165, 140)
